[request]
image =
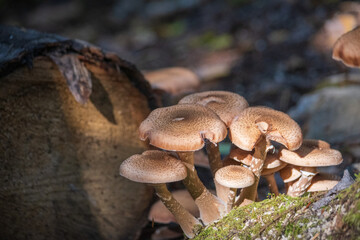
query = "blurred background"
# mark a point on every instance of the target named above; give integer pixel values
(275, 53)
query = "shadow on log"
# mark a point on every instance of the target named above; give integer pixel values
(64, 130)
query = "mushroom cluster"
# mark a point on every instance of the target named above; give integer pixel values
(265, 141)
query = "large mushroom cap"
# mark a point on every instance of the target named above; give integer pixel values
(252, 122)
(174, 80)
(234, 176)
(347, 48)
(182, 127)
(309, 155)
(225, 104)
(153, 167)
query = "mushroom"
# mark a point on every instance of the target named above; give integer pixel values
(159, 213)
(174, 80)
(323, 182)
(347, 48)
(272, 165)
(183, 128)
(289, 174)
(227, 106)
(234, 177)
(253, 129)
(157, 168)
(312, 154)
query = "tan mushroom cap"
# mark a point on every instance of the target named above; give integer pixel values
(182, 127)
(347, 48)
(323, 182)
(225, 104)
(240, 155)
(235, 177)
(290, 173)
(159, 213)
(245, 157)
(315, 143)
(174, 80)
(311, 156)
(268, 171)
(252, 122)
(153, 167)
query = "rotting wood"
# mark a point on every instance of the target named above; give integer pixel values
(59, 159)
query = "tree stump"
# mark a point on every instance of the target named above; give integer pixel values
(69, 115)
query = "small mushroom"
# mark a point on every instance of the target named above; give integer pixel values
(253, 129)
(312, 154)
(227, 106)
(272, 165)
(323, 182)
(184, 128)
(234, 177)
(347, 48)
(289, 174)
(157, 168)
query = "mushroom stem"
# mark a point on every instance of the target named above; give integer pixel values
(256, 167)
(192, 181)
(299, 187)
(214, 156)
(215, 163)
(188, 223)
(272, 184)
(210, 207)
(231, 199)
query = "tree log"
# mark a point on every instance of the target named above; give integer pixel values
(69, 114)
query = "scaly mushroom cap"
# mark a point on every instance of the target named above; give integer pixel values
(225, 104)
(234, 176)
(153, 167)
(174, 80)
(290, 173)
(309, 155)
(159, 213)
(182, 127)
(347, 48)
(252, 122)
(323, 182)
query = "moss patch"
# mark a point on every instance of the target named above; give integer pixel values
(291, 218)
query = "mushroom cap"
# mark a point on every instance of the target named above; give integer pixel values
(240, 155)
(182, 127)
(323, 182)
(252, 122)
(309, 155)
(268, 171)
(245, 157)
(153, 167)
(290, 173)
(234, 176)
(315, 143)
(225, 104)
(174, 80)
(347, 48)
(161, 214)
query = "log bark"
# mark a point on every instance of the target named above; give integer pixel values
(63, 137)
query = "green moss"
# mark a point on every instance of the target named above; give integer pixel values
(285, 216)
(250, 221)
